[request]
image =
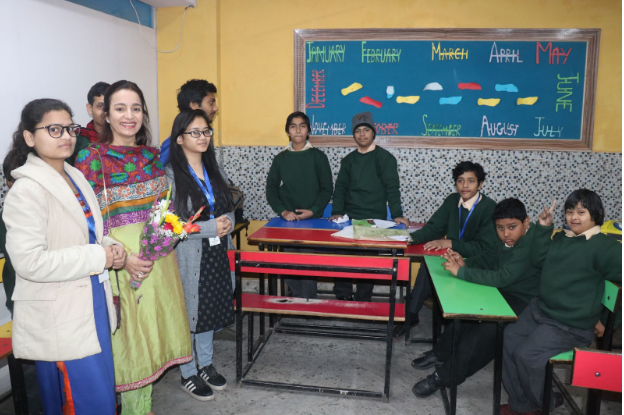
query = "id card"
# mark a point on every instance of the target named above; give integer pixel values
(103, 276)
(214, 241)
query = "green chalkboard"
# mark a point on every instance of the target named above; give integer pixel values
(461, 88)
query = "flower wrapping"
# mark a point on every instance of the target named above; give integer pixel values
(162, 231)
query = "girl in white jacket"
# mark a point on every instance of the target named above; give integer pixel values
(63, 313)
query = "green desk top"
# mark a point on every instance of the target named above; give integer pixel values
(466, 300)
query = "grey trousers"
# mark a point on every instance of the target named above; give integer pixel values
(301, 287)
(528, 345)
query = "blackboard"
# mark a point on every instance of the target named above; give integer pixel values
(461, 88)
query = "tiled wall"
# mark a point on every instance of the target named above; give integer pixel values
(535, 177)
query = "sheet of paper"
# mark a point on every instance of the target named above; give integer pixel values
(347, 232)
(343, 219)
(384, 224)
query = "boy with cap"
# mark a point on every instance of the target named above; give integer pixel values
(367, 181)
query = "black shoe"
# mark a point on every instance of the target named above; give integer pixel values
(428, 386)
(400, 329)
(343, 298)
(213, 378)
(427, 360)
(197, 389)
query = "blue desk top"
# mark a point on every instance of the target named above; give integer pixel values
(320, 223)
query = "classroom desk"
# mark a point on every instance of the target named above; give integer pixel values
(238, 228)
(462, 300)
(313, 234)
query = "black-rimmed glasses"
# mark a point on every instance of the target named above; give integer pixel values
(197, 133)
(56, 130)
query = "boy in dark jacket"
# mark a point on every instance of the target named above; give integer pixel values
(507, 267)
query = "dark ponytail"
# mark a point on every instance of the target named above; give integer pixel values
(32, 114)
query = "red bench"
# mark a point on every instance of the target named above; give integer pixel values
(336, 266)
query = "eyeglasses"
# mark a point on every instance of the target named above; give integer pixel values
(197, 133)
(56, 130)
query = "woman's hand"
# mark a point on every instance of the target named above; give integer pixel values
(224, 226)
(119, 256)
(402, 220)
(289, 216)
(438, 244)
(546, 217)
(137, 268)
(304, 213)
(110, 257)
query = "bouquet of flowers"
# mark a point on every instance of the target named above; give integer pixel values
(162, 231)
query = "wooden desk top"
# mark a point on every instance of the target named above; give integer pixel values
(315, 237)
(464, 300)
(418, 251)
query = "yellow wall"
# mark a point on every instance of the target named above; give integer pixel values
(246, 47)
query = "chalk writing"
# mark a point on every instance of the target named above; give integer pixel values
(547, 130)
(325, 54)
(450, 54)
(317, 98)
(380, 55)
(553, 52)
(504, 55)
(565, 91)
(498, 129)
(386, 129)
(440, 130)
(324, 128)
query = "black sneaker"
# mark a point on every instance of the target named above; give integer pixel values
(213, 378)
(197, 389)
(343, 298)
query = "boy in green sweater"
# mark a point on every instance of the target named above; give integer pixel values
(463, 223)
(507, 267)
(367, 181)
(574, 263)
(299, 186)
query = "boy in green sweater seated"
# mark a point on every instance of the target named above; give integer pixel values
(367, 181)
(465, 218)
(507, 267)
(299, 186)
(575, 264)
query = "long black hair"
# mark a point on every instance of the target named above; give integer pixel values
(32, 114)
(143, 136)
(184, 182)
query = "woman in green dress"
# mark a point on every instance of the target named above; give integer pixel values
(127, 176)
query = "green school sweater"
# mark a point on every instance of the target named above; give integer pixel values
(299, 180)
(573, 274)
(82, 142)
(507, 268)
(479, 236)
(366, 182)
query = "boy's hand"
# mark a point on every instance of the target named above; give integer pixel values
(438, 244)
(458, 258)
(334, 217)
(599, 329)
(289, 216)
(451, 265)
(304, 213)
(546, 217)
(402, 220)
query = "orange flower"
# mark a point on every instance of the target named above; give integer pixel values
(191, 228)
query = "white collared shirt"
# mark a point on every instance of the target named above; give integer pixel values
(307, 146)
(468, 204)
(587, 234)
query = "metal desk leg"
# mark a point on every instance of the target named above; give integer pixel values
(498, 367)
(261, 292)
(454, 366)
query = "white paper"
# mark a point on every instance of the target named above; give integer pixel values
(385, 224)
(343, 219)
(214, 241)
(347, 232)
(103, 276)
(400, 238)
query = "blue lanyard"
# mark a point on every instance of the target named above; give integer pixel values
(90, 220)
(461, 232)
(207, 188)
